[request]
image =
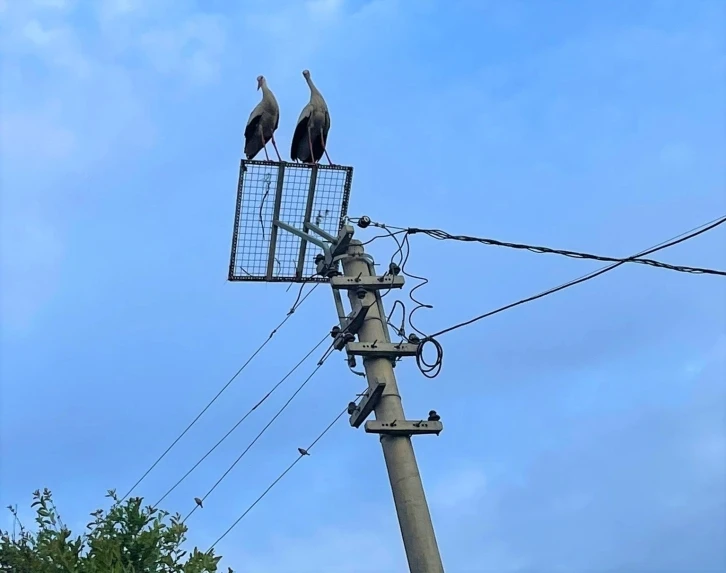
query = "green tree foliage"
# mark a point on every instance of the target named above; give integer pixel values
(128, 538)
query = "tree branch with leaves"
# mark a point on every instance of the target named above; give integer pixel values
(126, 538)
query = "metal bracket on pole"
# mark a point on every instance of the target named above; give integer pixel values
(340, 308)
(366, 405)
(356, 320)
(381, 349)
(342, 242)
(353, 322)
(299, 233)
(308, 226)
(367, 283)
(331, 249)
(403, 427)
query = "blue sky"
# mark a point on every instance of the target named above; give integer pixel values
(583, 432)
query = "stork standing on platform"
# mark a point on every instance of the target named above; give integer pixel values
(311, 133)
(262, 123)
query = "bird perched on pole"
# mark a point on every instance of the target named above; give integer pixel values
(311, 133)
(262, 123)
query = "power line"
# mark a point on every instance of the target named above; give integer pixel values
(440, 235)
(432, 369)
(666, 244)
(282, 475)
(444, 236)
(259, 435)
(298, 302)
(242, 419)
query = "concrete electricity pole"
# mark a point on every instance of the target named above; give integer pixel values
(324, 189)
(383, 398)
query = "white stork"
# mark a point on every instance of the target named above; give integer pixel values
(311, 133)
(262, 123)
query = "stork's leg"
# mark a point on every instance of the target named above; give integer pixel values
(264, 147)
(275, 146)
(310, 142)
(325, 148)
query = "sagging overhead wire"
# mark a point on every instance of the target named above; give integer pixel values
(242, 419)
(440, 235)
(444, 236)
(432, 369)
(302, 454)
(259, 435)
(664, 245)
(298, 302)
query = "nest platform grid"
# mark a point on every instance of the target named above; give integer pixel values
(295, 195)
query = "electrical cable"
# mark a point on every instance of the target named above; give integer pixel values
(365, 221)
(440, 235)
(298, 302)
(424, 281)
(387, 235)
(432, 369)
(444, 236)
(282, 475)
(259, 435)
(393, 268)
(400, 330)
(664, 245)
(242, 419)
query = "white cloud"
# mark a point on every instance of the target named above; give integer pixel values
(71, 106)
(110, 9)
(40, 36)
(324, 10)
(192, 48)
(38, 134)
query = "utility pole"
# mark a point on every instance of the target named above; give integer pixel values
(383, 397)
(257, 256)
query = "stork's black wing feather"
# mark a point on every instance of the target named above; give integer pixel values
(252, 126)
(253, 141)
(301, 130)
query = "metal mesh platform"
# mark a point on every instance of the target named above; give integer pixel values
(293, 193)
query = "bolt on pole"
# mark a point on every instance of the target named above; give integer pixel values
(414, 518)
